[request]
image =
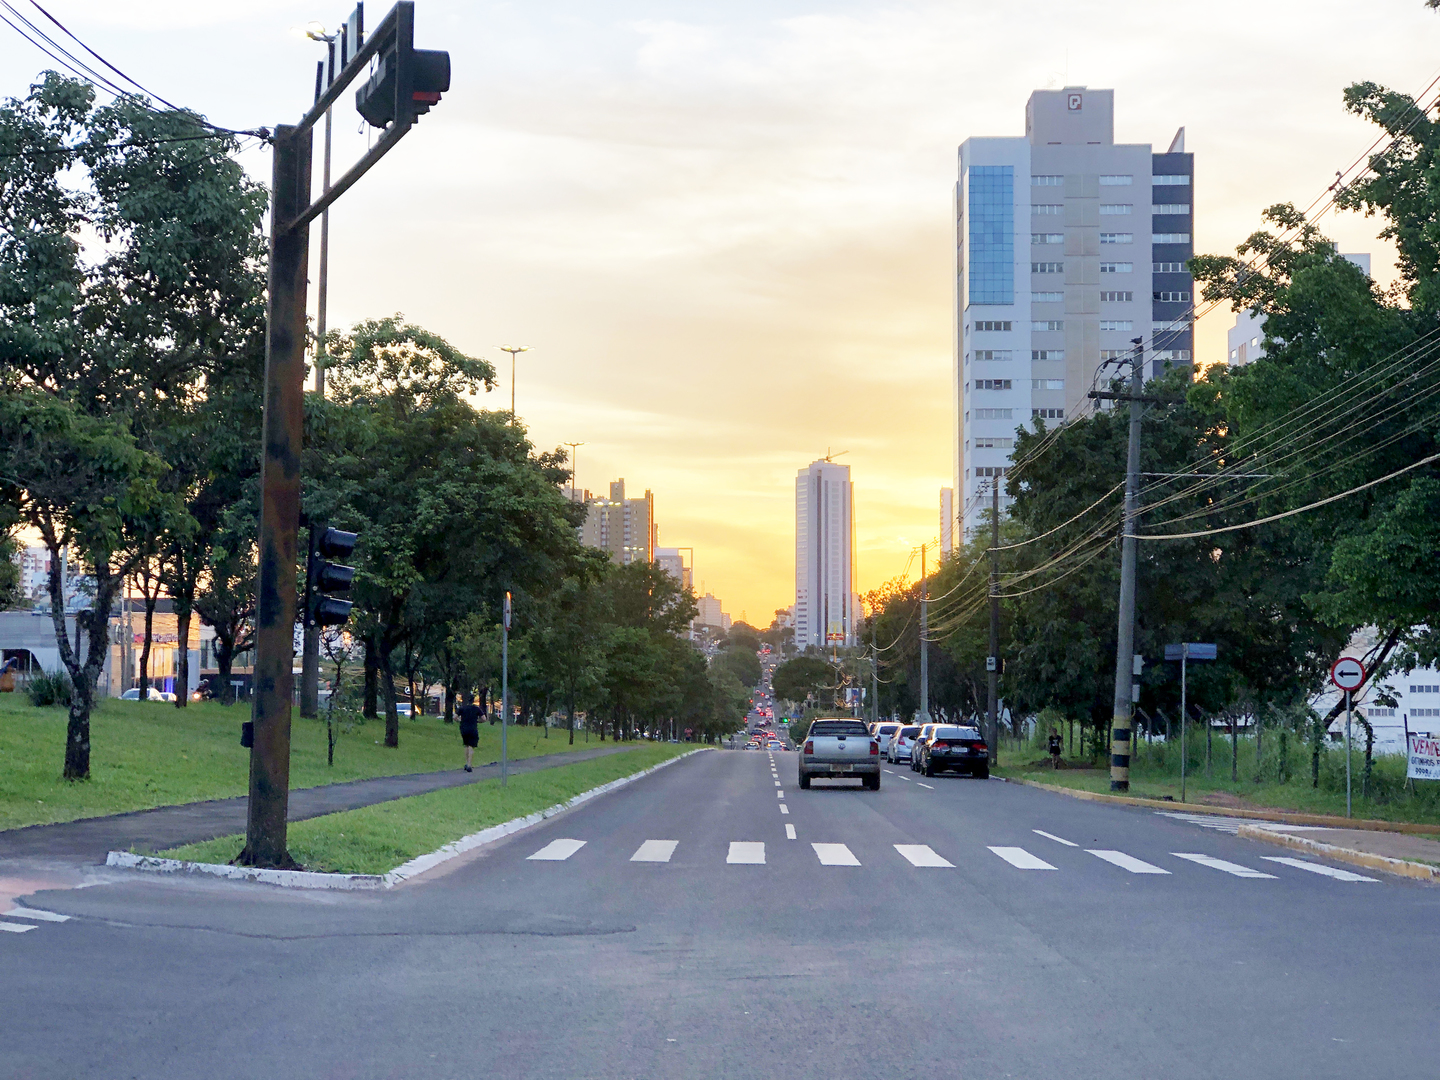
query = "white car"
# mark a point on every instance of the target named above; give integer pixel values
(882, 734)
(903, 743)
(133, 694)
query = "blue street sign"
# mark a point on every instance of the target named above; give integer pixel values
(1190, 650)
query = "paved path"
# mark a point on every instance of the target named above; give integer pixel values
(189, 823)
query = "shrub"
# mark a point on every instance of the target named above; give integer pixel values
(50, 689)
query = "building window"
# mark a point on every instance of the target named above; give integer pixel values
(1171, 181)
(1375, 710)
(1169, 238)
(989, 325)
(1047, 414)
(1425, 712)
(1115, 354)
(1173, 297)
(990, 470)
(1116, 181)
(992, 384)
(1047, 354)
(1176, 356)
(1115, 208)
(1047, 238)
(1116, 267)
(1047, 208)
(994, 414)
(994, 354)
(1047, 297)
(991, 277)
(1174, 326)
(1045, 325)
(1047, 268)
(1168, 268)
(1047, 384)
(1116, 324)
(1117, 238)
(1425, 689)
(1117, 297)
(1047, 181)
(1170, 208)
(994, 444)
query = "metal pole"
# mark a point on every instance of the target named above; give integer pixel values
(992, 675)
(874, 674)
(505, 693)
(924, 641)
(268, 806)
(1125, 636)
(1184, 717)
(1347, 753)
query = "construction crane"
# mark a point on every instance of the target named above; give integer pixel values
(832, 455)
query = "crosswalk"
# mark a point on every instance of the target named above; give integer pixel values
(754, 852)
(20, 920)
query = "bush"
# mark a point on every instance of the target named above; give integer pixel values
(54, 689)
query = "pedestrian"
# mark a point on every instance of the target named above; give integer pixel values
(1057, 746)
(469, 714)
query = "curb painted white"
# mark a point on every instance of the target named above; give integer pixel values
(1369, 860)
(310, 879)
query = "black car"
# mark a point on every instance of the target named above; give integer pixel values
(951, 747)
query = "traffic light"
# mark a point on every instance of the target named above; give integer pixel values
(407, 81)
(324, 579)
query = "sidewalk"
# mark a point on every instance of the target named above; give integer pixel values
(170, 826)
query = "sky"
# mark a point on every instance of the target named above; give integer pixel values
(725, 230)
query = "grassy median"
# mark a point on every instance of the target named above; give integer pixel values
(149, 753)
(376, 839)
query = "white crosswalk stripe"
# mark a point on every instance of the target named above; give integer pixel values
(1021, 859)
(1318, 868)
(1126, 862)
(655, 851)
(558, 850)
(835, 855)
(35, 913)
(746, 851)
(922, 855)
(1052, 836)
(14, 928)
(1221, 864)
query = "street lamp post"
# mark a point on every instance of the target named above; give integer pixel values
(512, 350)
(574, 446)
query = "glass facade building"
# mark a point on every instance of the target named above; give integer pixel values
(991, 268)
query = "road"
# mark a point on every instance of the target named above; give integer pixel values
(653, 942)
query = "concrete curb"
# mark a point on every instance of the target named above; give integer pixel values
(311, 879)
(1369, 860)
(1282, 816)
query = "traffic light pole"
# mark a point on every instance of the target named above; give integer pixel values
(1125, 631)
(269, 803)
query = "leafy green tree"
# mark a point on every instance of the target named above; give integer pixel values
(741, 662)
(801, 678)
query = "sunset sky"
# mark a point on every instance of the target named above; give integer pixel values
(725, 229)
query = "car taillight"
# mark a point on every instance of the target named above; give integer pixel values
(977, 746)
(809, 746)
(940, 746)
(874, 747)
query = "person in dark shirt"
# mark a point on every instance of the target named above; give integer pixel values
(1057, 747)
(469, 714)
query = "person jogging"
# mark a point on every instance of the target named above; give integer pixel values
(1057, 747)
(469, 714)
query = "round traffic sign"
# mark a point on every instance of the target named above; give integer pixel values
(1347, 673)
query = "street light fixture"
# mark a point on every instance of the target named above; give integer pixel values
(512, 350)
(574, 447)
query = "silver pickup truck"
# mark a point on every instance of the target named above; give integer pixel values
(840, 749)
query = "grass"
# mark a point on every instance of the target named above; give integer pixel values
(1155, 773)
(149, 753)
(376, 839)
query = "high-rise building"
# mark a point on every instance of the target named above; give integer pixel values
(623, 527)
(825, 599)
(709, 614)
(947, 521)
(672, 562)
(1069, 246)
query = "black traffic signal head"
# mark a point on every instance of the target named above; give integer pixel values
(325, 579)
(405, 84)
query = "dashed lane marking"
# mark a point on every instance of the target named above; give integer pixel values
(779, 794)
(921, 855)
(835, 855)
(1221, 864)
(1021, 859)
(35, 913)
(1317, 868)
(927, 787)
(14, 928)
(558, 850)
(777, 783)
(1126, 862)
(655, 851)
(746, 851)
(789, 831)
(784, 808)
(1052, 836)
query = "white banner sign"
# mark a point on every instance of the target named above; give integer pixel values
(1424, 758)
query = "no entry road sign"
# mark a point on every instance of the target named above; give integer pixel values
(1347, 673)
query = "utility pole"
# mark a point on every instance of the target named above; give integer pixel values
(1125, 632)
(505, 691)
(924, 641)
(512, 350)
(992, 662)
(874, 672)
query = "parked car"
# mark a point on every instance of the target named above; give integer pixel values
(920, 737)
(133, 694)
(951, 747)
(901, 743)
(882, 733)
(840, 749)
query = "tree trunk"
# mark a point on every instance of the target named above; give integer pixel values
(372, 678)
(1316, 739)
(145, 645)
(387, 676)
(183, 615)
(570, 717)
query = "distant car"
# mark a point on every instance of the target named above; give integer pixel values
(951, 747)
(883, 733)
(133, 694)
(166, 695)
(902, 742)
(920, 738)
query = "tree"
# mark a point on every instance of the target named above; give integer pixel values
(740, 662)
(801, 678)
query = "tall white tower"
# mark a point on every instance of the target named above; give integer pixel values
(826, 603)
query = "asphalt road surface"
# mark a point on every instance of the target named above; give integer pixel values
(712, 920)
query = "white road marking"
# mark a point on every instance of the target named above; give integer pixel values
(784, 808)
(779, 794)
(835, 855)
(777, 783)
(558, 850)
(655, 851)
(1317, 868)
(903, 776)
(746, 851)
(1126, 862)
(921, 855)
(1230, 824)
(35, 913)
(789, 831)
(1221, 864)
(14, 928)
(1021, 859)
(1052, 836)
(927, 787)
